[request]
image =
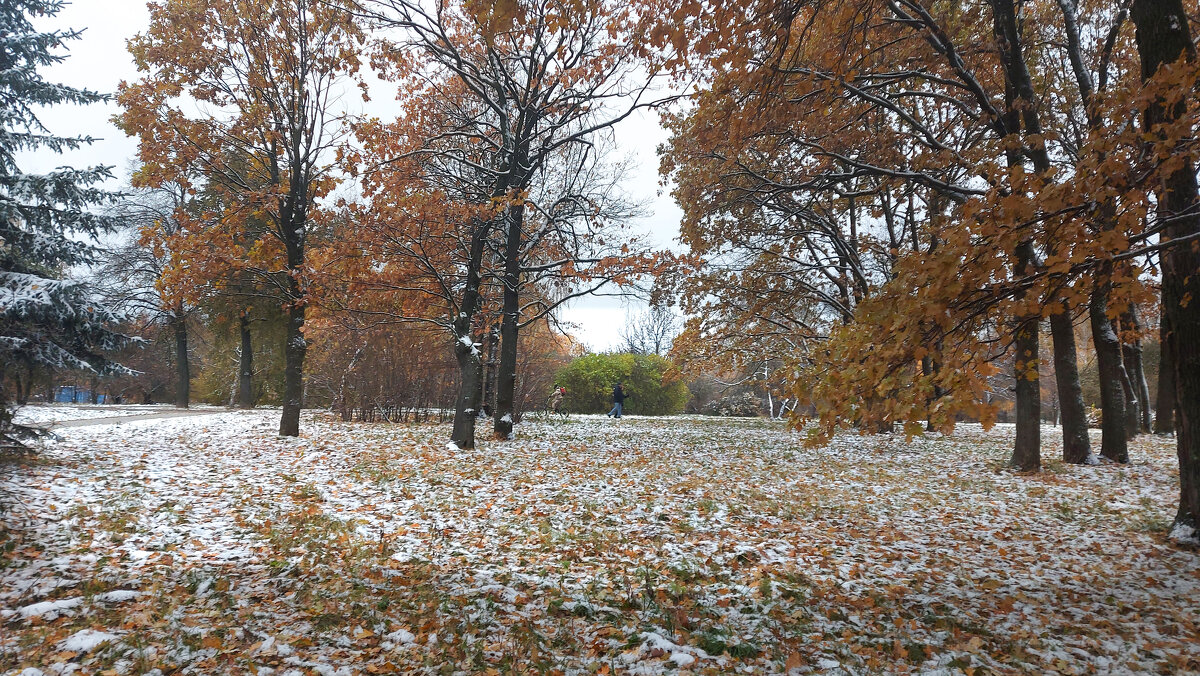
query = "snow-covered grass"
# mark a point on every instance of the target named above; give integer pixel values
(42, 414)
(586, 545)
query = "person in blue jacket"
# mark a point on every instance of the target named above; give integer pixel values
(618, 402)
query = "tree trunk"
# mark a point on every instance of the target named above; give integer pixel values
(1132, 405)
(245, 365)
(1135, 367)
(488, 390)
(1164, 411)
(506, 378)
(470, 374)
(1027, 447)
(1019, 110)
(927, 370)
(1163, 37)
(24, 383)
(293, 371)
(466, 351)
(1113, 440)
(1077, 448)
(480, 386)
(183, 375)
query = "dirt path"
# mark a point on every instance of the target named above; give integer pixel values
(118, 419)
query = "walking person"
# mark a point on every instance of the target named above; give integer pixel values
(619, 397)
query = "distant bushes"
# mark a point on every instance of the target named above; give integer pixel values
(744, 405)
(652, 388)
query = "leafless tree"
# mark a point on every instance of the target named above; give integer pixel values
(651, 331)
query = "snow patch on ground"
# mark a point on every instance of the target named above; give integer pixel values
(119, 596)
(41, 414)
(49, 610)
(87, 640)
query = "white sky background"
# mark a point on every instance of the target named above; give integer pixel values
(99, 61)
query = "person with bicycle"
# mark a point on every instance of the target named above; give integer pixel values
(556, 399)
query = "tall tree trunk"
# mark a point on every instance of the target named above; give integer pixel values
(927, 370)
(506, 378)
(1020, 112)
(293, 369)
(1027, 453)
(245, 365)
(1164, 411)
(481, 385)
(24, 383)
(1113, 440)
(293, 215)
(1135, 367)
(183, 374)
(1077, 448)
(489, 370)
(1163, 37)
(1132, 404)
(466, 350)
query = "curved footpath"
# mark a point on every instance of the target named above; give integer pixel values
(118, 419)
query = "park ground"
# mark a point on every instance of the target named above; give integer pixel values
(209, 545)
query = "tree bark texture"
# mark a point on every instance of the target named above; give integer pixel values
(1164, 410)
(1132, 404)
(1135, 366)
(183, 372)
(1077, 448)
(506, 378)
(466, 352)
(470, 374)
(1027, 454)
(1020, 112)
(488, 397)
(293, 372)
(245, 365)
(927, 370)
(1163, 37)
(1113, 440)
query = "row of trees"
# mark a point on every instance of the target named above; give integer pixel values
(485, 204)
(894, 195)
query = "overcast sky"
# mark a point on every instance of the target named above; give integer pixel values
(99, 61)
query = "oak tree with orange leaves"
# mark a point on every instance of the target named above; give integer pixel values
(241, 98)
(1031, 188)
(544, 80)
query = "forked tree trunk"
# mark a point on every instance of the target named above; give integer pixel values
(1163, 37)
(1077, 448)
(183, 373)
(1164, 411)
(245, 365)
(1113, 440)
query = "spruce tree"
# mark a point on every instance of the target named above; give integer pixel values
(47, 225)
